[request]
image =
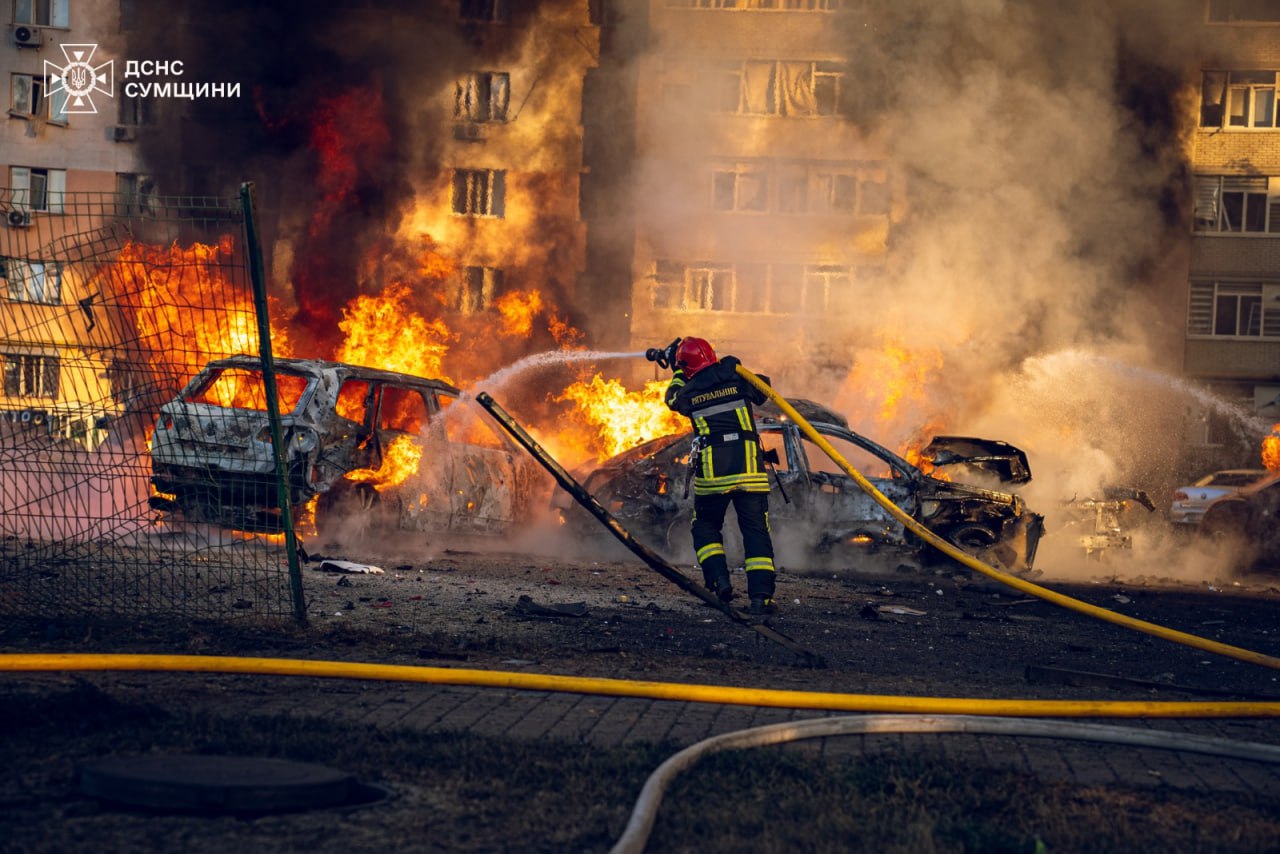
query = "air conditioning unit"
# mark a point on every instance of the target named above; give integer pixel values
(19, 219)
(123, 133)
(25, 35)
(469, 132)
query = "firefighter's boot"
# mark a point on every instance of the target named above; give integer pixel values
(760, 583)
(715, 571)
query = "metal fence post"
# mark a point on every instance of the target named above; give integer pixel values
(258, 276)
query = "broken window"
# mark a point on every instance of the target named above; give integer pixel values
(741, 188)
(484, 10)
(836, 193)
(482, 96)
(708, 287)
(781, 88)
(1234, 309)
(476, 290)
(42, 13)
(136, 194)
(27, 375)
(37, 189)
(243, 388)
(1239, 99)
(1237, 203)
(33, 281)
(1243, 11)
(353, 401)
(403, 410)
(133, 110)
(29, 95)
(793, 188)
(821, 283)
(479, 192)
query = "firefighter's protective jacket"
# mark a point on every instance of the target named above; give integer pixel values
(718, 402)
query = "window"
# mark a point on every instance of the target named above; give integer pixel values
(482, 97)
(749, 288)
(133, 110)
(136, 194)
(821, 282)
(484, 10)
(1238, 99)
(26, 375)
(837, 193)
(43, 13)
(1234, 309)
(28, 96)
(403, 410)
(777, 88)
(1243, 11)
(477, 289)
(1237, 204)
(700, 286)
(37, 189)
(742, 188)
(32, 281)
(479, 192)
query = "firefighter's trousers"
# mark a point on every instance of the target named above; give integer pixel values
(752, 509)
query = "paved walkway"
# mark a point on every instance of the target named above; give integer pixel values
(608, 721)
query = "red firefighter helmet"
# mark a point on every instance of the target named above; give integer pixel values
(693, 355)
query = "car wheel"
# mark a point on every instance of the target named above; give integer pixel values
(1224, 532)
(354, 513)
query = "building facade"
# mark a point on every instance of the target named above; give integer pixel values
(1233, 306)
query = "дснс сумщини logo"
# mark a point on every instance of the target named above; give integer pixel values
(79, 78)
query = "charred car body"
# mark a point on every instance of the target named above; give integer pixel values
(645, 488)
(212, 457)
(1241, 526)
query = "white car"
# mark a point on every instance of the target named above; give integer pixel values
(1190, 502)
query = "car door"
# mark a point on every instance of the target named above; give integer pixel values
(834, 502)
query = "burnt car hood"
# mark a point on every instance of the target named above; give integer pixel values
(988, 455)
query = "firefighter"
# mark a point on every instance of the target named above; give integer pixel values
(728, 467)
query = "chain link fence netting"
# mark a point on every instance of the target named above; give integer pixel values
(109, 305)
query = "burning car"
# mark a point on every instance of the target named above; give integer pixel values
(391, 449)
(1241, 525)
(645, 488)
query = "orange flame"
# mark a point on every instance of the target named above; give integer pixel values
(518, 309)
(1271, 450)
(618, 419)
(384, 331)
(399, 461)
(188, 312)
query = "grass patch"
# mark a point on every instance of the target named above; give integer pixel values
(460, 792)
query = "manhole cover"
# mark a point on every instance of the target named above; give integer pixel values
(217, 783)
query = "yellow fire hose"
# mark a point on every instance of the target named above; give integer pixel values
(692, 693)
(990, 571)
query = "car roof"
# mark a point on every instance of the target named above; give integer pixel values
(316, 366)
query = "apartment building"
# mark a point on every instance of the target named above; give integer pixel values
(58, 139)
(1233, 306)
(758, 206)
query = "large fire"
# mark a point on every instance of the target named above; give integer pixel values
(1271, 450)
(616, 419)
(400, 460)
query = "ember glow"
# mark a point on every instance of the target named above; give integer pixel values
(399, 460)
(617, 419)
(1271, 450)
(188, 313)
(387, 332)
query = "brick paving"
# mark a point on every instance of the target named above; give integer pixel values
(608, 722)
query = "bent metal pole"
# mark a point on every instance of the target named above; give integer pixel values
(611, 522)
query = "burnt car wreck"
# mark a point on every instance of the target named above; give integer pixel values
(382, 449)
(645, 488)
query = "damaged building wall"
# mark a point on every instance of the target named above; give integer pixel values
(762, 202)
